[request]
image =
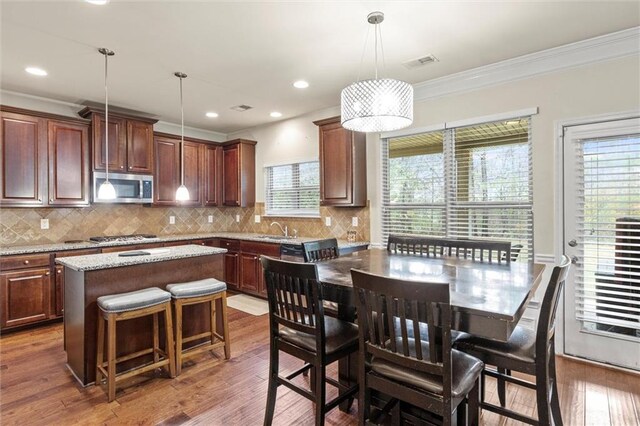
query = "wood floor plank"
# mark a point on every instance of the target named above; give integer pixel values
(36, 388)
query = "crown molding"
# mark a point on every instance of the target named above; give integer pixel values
(598, 49)
(70, 109)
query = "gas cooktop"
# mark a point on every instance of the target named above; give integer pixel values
(141, 238)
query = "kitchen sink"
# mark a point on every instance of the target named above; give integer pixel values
(273, 237)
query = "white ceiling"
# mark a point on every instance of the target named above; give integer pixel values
(251, 52)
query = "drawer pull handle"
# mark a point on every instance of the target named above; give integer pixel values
(59, 271)
(26, 262)
(47, 273)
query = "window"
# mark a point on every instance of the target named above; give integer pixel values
(467, 182)
(293, 190)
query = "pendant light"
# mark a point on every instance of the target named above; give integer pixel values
(182, 194)
(106, 190)
(377, 105)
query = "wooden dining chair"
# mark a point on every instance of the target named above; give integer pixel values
(406, 368)
(317, 251)
(528, 352)
(479, 250)
(299, 327)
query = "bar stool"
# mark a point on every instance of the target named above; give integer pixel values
(126, 306)
(208, 290)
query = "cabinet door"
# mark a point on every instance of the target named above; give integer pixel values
(336, 175)
(23, 152)
(59, 291)
(212, 175)
(166, 177)
(231, 175)
(25, 296)
(192, 173)
(117, 143)
(68, 164)
(139, 147)
(231, 269)
(249, 272)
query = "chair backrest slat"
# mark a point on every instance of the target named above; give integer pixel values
(317, 251)
(549, 306)
(479, 250)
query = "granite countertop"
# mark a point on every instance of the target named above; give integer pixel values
(94, 262)
(275, 239)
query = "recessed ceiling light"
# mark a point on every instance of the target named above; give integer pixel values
(98, 2)
(212, 114)
(36, 71)
(276, 114)
(301, 84)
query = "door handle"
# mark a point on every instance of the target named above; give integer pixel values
(574, 259)
(572, 243)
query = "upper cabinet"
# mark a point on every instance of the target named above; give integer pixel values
(45, 160)
(130, 142)
(343, 165)
(239, 173)
(202, 171)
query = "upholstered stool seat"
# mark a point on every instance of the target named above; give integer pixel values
(210, 291)
(126, 306)
(197, 288)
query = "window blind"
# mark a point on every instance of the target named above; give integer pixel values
(293, 189)
(468, 182)
(608, 222)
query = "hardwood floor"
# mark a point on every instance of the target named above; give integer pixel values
(37, 389)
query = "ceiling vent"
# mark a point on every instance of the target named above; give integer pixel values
(416, 63)
(241, 108)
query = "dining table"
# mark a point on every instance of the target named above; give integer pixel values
(488, 299)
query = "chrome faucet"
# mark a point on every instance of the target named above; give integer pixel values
(284, 230)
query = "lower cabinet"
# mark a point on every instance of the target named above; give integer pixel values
(251, 272)
(26, 296)
(231, 262)
(57, 296)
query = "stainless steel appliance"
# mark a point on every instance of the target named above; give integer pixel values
(134, 238)
(291, 252)
(130, 188)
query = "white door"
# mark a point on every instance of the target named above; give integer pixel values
(602, 235)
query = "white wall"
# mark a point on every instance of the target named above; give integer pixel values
(605, 87)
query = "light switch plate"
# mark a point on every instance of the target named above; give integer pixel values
(210, 218)
(44, 223)
(172, 220)
(354, 221)
(238, 218)
(257, 218)
(327, 221)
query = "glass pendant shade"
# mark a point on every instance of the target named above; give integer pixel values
(106, 191)
(379, 105)
(182, 194)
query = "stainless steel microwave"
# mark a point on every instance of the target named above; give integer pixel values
(129, 188)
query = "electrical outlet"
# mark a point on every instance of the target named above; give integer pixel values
(238, 218)
(172, 220)
(257, 218)
(327, 221)
(44, 223)
(354, 221)
(210, 218)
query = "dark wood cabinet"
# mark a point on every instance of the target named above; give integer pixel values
(231, 262)
(130, 141)
(59, 291)
(25, 289)
(251, 272)
(23, 144)
(44, 160)
(343, 165)
(239, 173)
(212, 175)
(167, 176)
(68, 164)
(193, 153)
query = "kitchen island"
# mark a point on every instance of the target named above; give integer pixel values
(92, 276)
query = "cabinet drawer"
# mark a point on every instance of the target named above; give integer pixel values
(231, 245)
(24, 261)
(260, 248)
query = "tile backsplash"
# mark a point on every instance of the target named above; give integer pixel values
(21, 226)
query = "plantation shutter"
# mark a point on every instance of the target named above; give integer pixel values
(608, 222)
(293, 190)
